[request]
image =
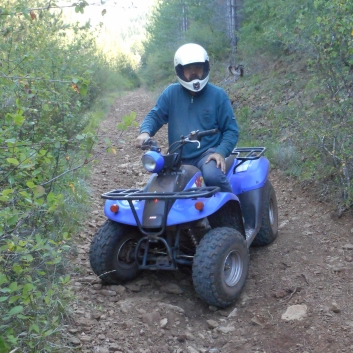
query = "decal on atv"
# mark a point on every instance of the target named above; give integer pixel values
(199, 182)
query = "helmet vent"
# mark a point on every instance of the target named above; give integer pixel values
(196, 86)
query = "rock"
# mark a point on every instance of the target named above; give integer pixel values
(186, 282)
(212, 324)
(143, 282)
(172, 288)
(133, 287)
(178, 309)
(201, 336)
(82, 321)
(226, 329)
(190, 336)
(90, 279)
(347, 247)
(85, 338)
(118, 289)
(113, 299)
(74, 340)
(191, 349)
(96, 315)
(151, 318)
(114, 347)
(141, 311)
(335, 308)
(349, 323)
(283, 224)
(295, 312)
(163, 323)
(101, 350)
(280, 294)
(257, 320)
(223, 313)
(181, 338)
(107, 292)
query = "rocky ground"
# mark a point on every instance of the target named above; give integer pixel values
(308, 270)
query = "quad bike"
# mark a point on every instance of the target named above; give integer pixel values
(177, 221)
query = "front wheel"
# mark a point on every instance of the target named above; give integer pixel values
(269, 223)
(112, 253)
(220, 267)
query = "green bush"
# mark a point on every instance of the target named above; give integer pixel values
(311, 44)
(51, 77)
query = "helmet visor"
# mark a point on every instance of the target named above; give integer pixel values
(194, 71)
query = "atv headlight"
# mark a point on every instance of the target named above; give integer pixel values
(153, 161)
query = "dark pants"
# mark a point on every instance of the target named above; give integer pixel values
(212, 175)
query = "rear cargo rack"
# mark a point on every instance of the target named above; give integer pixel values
(140, 194)
(244, 154)
(248, 153)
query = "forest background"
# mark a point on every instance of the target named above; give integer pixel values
(59, 75)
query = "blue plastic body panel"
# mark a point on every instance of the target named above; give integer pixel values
(253, 178)
(182, 211)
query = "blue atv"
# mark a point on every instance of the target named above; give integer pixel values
(177, 221)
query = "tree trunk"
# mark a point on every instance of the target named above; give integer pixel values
(232, 24)
(184, 24)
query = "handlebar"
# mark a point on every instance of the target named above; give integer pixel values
(194, 136)
(201, 134)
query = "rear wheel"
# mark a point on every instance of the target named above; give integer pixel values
(269, 223)
(112, 253)
(220, 267)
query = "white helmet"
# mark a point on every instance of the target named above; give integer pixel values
(191, 54)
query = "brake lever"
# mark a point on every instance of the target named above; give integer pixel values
(193, 141)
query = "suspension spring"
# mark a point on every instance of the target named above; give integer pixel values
(192, 237)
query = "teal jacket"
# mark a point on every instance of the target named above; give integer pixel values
(209, 109)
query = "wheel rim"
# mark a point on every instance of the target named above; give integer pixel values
(125, 256)
(271, 214)
(233, 268)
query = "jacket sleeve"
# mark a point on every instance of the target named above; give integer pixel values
(228, 127)
(157, 117)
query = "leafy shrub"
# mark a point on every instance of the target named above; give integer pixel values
(50, 75)
(314, 40)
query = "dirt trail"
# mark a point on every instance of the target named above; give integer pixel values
(310, 264)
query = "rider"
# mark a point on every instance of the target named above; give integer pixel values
(195, 104)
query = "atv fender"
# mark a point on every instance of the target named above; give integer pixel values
(124, 215)
(248, 184)
(184, 210)
(250, 175)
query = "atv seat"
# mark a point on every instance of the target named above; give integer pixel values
(229, 162)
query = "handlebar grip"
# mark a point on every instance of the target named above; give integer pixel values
(207, 133)
(148, 144)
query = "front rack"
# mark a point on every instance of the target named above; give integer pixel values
(140, 194)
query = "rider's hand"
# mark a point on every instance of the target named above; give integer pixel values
(221, 163)
(142, 137)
